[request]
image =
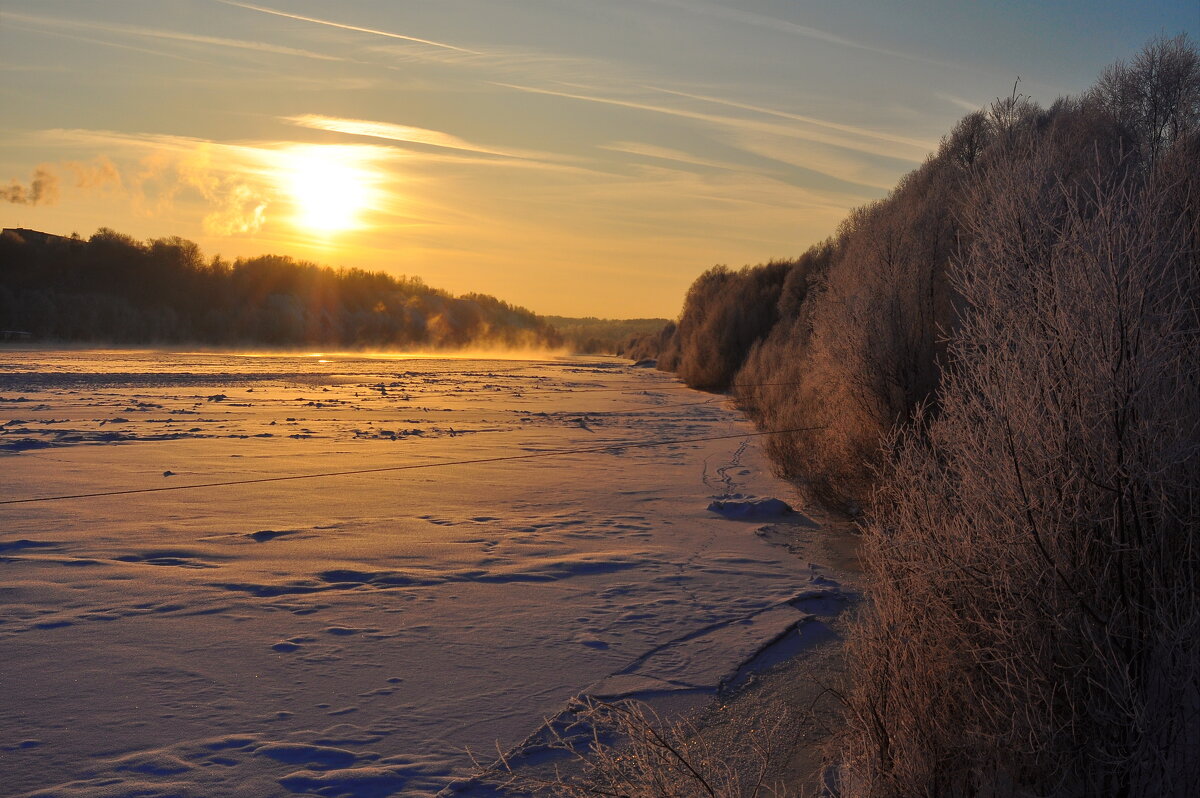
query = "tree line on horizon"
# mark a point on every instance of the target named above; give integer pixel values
(111, 288)
(590, 335)
(998, 364)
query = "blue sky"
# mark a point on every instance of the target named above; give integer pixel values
(584, 158)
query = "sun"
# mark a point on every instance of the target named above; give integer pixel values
(328, 185)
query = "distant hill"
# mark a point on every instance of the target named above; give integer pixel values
(112, 288)
(590, 335)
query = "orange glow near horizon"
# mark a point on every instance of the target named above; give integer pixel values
(328, 187)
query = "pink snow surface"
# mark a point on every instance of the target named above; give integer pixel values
(352, 635)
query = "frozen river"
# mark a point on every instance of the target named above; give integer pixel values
(352, 634)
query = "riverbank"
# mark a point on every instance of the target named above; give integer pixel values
(788, 710)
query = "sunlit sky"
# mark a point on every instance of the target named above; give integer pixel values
(579, 157)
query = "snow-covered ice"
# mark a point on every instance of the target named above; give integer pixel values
(749, 508)
(353, 634)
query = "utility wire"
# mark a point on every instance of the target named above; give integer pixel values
(408, 467)
(538, 389)
(435, 390)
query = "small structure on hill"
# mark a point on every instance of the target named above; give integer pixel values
(37, 238)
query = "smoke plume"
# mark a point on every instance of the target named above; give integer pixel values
(97, 173)
(42, 189)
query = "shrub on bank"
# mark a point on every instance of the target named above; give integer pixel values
(1006, 351)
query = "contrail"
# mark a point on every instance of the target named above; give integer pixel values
(134, 30)
(343, 26)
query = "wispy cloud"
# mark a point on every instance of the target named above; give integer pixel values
(493, 60)
(393, 132)
(783, 26)
(958, 102)
(344, 26)
(742, 127)
(166, 35)
(60, 68)
(865, 176)
(406, 134)
(44, 31)
(921, 146)
(137, 142)
(679, 215)
(669, 154)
